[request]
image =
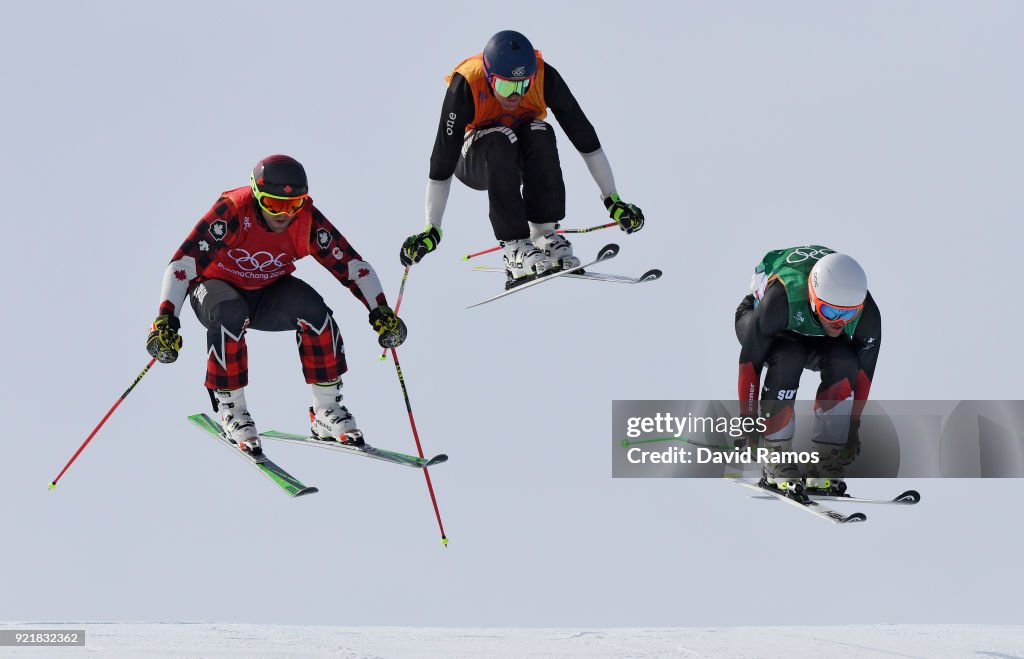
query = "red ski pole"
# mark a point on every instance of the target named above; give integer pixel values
(88, 439)
(467, 257)
(412, 421)
(419, 448)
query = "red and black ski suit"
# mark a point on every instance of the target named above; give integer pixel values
(238, 275)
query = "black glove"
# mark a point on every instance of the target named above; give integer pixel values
(749, 439)
(629, 217)
(416, 247)
(163, 341)
(851, 450)
(389, 327)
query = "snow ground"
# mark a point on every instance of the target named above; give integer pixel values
(131, 640)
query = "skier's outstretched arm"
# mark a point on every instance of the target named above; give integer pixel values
(867, 341)
(581, 133)
(214, 230)
(756, 326)
(456, 112)
(333, 251)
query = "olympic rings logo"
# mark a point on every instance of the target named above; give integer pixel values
(801, 254)
(259, 261)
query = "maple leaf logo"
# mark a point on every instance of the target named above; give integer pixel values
(363, 272)
(179, 275)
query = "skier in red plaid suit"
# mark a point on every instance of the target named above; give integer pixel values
(236, 269)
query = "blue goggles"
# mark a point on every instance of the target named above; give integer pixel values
(834, 314)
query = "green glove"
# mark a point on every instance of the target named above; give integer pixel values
(416, 247)
(163, 341)
(391, 331)
(629, 217)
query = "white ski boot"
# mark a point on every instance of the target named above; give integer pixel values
(826, 477)
(236, 420)
(554, 245)
(523, 262)
(330, 419)
(783, 476)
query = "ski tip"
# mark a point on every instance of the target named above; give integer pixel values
(651, 275)
(307, 490)
(52, 485)
(436, 460)
(607, 252)
(855, 517)
(909, 497)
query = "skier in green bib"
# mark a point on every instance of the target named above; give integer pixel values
(809, 308)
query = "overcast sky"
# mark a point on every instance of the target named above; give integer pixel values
(889, 131)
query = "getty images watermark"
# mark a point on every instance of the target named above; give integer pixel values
(670, 428)
(920, 439)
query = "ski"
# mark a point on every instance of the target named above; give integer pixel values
(607, 252)
(650, 275)
(908, 498)
(817, 509)
(366, 450)
(291, 485)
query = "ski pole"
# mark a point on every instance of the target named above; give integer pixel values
(88, 439)
(467, 257)
(401, 292)
(589, 229)
(419, 448)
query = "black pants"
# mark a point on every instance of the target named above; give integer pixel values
(500, 160)
(789, 355)
(287, 304)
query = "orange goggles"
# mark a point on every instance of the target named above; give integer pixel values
(276, 204)
(834, 313)
(280, 205)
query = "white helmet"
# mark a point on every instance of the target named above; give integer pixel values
(838, 280)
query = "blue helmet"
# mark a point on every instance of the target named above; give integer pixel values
(508, 54)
